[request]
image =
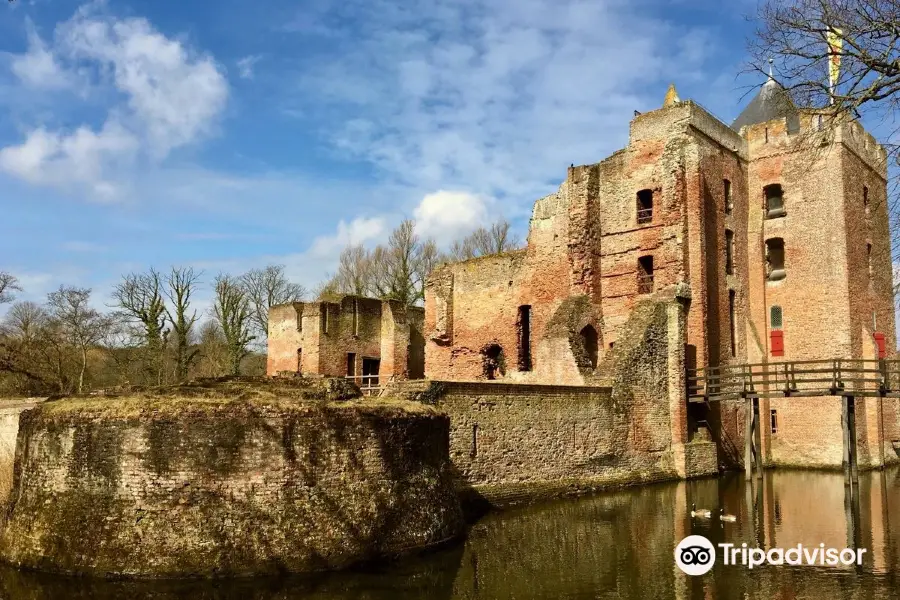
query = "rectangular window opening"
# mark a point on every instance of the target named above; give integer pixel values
(775, 259)
(774, 197)
(729, 200)
(866, 199)
(323, 312)
(300, 360)
(732, 297)
(644, 207)
(774, 420)
(474, 452)
(523, 326)
(645, 275)
(729, 252)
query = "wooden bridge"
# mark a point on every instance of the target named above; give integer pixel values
(847, 378)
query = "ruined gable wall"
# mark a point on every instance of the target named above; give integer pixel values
(473, 304)
(354, 325)
(285, 337)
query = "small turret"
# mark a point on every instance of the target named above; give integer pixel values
(671, 96)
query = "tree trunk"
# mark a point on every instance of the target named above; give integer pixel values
(83, 368)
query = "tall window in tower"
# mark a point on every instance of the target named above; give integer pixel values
(866, 199)
(732, 321)
(729, 252)
(523, 326)
(729, 200)
(645, 275)
(775, 259)
(644, 207)
(774, 201)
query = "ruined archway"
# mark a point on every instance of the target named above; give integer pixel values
(590, 345)
(493, 361)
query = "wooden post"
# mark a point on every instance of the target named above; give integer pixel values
(748, 440)
(854, 459)
(757, 436)
(845, 427)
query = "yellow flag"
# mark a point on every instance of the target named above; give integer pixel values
(835, 43)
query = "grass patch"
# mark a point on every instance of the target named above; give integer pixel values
(222, 394)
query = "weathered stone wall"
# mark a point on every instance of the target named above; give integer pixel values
(514, 442)
(325, 333)
(9, 421)
(106, 487)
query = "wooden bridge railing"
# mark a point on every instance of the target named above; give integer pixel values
(835, 377)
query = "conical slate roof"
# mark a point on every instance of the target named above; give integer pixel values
(771, 102)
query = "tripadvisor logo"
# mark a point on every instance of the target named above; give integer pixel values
(696, 555)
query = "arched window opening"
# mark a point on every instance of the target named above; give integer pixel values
(589, 342)
(774, 201)
(494, 362)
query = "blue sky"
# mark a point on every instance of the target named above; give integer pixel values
(226, 135)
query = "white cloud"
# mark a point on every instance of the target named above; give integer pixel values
(358, 231)
(38, 67)
(61, 159)
(245, 66)
(172, 98)
(493, 96)
(446, 215)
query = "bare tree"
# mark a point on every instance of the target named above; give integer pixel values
(233, 313)
(81, 325)
(803, 40)
(8, 284)
(355, 272)
(400, 267)
(20, 333)
(139, 300)
(213, 359)
(180, 287)
(265, 288)
(484, 241)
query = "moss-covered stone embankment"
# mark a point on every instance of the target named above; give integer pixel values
(227, 478)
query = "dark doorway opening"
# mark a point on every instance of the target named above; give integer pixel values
(494, 362)
(351, 364)
(589, 341)
(370, 367)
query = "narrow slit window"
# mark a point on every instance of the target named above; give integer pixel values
(644, 207)
(729, 252)
(300, 360)
(729, 200)
(645, 275)
(774, 201)
(356, 316)
(732, 321)
(869, 260)
(775, 259)
(474, 451)
(866, 199)
(774, 420)
(524, 329)
(324, 317)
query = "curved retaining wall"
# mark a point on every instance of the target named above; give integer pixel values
(241, 489)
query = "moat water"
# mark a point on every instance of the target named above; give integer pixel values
(611, 545)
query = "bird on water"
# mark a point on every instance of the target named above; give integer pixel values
(701, 513)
